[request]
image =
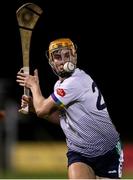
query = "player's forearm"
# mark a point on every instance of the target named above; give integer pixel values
(42, 107)
(41, 104)
(38, 99)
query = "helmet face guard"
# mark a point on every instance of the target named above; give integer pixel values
(65, 50)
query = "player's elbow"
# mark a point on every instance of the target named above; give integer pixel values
(41, 113)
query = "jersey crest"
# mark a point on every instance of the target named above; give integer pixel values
(61, 92)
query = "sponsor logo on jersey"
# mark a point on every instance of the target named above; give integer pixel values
(61, 92)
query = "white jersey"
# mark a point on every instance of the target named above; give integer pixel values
(84, 119)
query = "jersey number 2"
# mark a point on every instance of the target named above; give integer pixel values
(98, 104)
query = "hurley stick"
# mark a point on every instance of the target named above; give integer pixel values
(27, 17)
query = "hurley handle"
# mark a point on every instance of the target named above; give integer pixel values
(25, 110)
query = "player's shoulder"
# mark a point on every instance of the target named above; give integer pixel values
(81, 76)
(74, 78)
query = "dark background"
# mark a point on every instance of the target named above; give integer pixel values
(102, 34)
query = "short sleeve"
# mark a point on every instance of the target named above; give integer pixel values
(66, 93)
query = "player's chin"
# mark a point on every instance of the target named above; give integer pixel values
(59, 70)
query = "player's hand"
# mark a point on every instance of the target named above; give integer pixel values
(26, 80)
(27, 100)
